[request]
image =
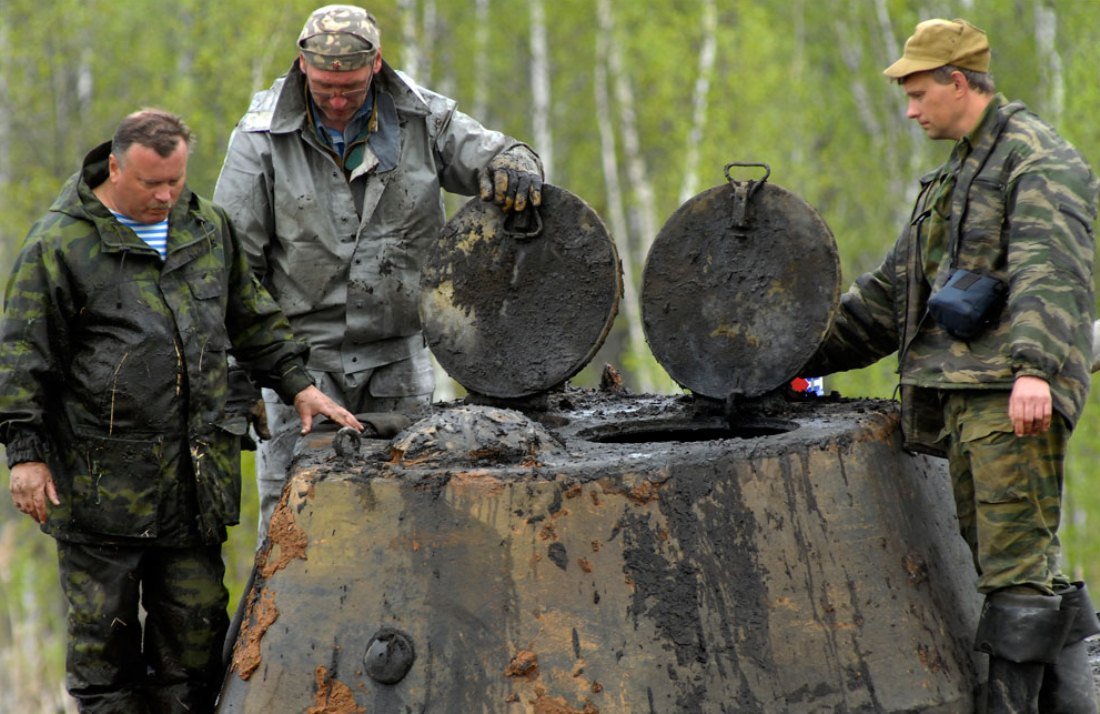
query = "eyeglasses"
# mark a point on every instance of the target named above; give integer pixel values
(351, 95)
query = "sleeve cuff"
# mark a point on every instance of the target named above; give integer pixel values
(23, 446)
(293, 378)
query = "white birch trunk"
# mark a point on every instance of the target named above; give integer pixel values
(479, 108)
(616, 206)
(642, 209)
(444, 82)
(699, 102)
(899, 140)
(1050, 64)
(5, 128)
(85, 87)
(410, 40)
(540, 88)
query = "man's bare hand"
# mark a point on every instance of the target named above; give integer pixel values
(1030, 406)
(312, 401)
(31, 486)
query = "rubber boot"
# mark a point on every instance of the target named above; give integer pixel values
(1021, 634)
(1067, 684)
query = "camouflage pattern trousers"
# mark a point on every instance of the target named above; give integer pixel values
(173, 662)
(1008, 491)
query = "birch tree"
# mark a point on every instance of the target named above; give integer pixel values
(540, 88)
(641, 211)
(5, 130)
(480, 104)
(410, 39)
(699, 102)
(630, 305)
(1050, 63)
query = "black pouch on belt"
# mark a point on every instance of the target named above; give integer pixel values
(967, 303)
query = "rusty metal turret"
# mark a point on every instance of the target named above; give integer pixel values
(599, 551)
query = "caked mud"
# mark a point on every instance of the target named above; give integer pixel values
(619, 553)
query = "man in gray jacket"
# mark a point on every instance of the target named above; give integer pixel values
(333, 180)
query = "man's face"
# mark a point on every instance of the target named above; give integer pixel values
(339, 94)
(938, 108)
(145, 185)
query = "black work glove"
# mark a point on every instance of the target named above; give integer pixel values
(245, 401)
(512, 179)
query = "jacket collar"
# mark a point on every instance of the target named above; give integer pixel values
(989, 122)
(78, 200)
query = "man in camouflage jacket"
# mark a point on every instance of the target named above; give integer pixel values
(113, 388)
(1015, 203)
(333, 178)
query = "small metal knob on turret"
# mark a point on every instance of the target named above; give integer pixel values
(390, 656)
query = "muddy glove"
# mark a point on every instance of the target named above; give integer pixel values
(512, 179)
(245, 408)
(257, 419)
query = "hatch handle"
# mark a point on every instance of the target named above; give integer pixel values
(743, 191)
(525, 224)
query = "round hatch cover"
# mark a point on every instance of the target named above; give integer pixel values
(512, 311)
(739, 288)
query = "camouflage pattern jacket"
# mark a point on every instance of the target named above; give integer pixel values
(342, 250)
(113, 367)
(1021, 210)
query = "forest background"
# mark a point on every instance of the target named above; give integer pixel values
(633, 106)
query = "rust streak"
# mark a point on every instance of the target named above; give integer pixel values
(524, 664)
(558, 705)
(260, 616)
(331, 696)
(291, 540)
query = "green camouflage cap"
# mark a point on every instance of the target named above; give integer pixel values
(340, 38)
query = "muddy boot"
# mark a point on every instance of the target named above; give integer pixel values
(1021, 634)
(1067, 684)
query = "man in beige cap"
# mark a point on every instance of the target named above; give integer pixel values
(333, 179)
(987, 298)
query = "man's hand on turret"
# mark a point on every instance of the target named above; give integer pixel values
(312, 401)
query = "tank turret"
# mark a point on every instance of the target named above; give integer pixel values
(553, 550)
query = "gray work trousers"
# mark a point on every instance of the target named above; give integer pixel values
(404, 386)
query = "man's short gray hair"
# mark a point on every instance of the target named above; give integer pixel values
(980, 81)
(156, 129)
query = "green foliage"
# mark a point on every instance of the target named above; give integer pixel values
(32, 616)
(796, 84)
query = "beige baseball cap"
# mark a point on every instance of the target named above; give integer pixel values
(936, 43)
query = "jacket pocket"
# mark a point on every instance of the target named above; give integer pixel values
(991, 431)
(210, 309)
(216, 458)
(119, 490)
(982, 245)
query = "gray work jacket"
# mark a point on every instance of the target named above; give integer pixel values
(342, 252)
